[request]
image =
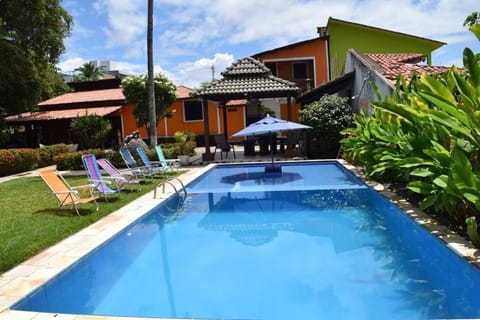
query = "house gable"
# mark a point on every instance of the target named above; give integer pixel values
(312, 53)
(344, 35)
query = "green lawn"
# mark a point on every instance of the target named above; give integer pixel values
(30, 219)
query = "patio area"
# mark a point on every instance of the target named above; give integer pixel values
(242, 156)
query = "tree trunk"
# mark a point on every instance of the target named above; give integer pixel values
(151, 79)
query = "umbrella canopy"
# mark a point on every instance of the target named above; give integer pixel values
(269, 125)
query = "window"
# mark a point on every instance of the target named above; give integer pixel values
(192, 110)
(272, 66)
(300, 70)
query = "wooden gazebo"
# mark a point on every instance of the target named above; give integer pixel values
(247, 79)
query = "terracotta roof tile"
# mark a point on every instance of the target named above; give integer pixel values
(246, 66)
(61, 114)
(247, 78)
(392, 65)
(235, 103)
(183, 92)
(86, 97)
(99, 96)
(249, 85)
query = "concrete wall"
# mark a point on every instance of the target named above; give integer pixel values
(363, 93)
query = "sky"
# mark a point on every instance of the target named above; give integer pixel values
(191, 36)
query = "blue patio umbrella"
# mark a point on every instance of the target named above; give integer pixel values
(269, 125)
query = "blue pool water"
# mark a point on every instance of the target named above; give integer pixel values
(284, 248)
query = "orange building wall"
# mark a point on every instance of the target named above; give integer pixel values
(316, 48)
(235, 120)
(176, 123)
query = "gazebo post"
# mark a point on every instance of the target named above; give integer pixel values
(225, 126)
(245, 79)
(289, 107)
(207, 156)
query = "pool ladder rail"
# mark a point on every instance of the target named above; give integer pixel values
(181, 193)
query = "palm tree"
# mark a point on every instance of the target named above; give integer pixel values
(151, 78)
(88, 72)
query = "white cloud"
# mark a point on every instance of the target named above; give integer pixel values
(71, 64)
(192, 74)
(188, 33)
(130, 68)
(127, 20)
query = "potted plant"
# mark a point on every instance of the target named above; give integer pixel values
(185, 145)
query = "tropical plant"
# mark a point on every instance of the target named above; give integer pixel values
(91, 130)
(264, 111)
(427, 135)
(473, 23)
(184, 142)
(135, 89)
(328, 117)
(88, 72)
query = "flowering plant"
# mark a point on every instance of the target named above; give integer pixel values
(185, 142)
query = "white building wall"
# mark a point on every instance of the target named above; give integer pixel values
(363, 93)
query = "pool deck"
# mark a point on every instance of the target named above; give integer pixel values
(22, 279)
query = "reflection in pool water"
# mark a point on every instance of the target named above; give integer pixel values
(322, 253)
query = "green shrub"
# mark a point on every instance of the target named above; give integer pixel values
(426, 135)
(328, 117)
(18, 160)
(47, 153)
(69, 161)
(73, 160)
(115, 158)
(91, 130)
(169, 151)
(184, 143)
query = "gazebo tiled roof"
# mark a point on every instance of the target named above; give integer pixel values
(247, 78)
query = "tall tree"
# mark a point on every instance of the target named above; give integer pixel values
(135, 89)
(151, 81)
(31, 42)
(88, 72)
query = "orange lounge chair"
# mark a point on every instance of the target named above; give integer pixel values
(66, 195)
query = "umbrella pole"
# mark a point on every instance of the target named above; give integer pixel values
(271, 148)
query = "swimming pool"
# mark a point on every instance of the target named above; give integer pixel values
(314, 243)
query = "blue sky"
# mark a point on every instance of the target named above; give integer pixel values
(192, 35)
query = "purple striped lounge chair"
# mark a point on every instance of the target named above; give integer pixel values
(95, 177)
(123, 178)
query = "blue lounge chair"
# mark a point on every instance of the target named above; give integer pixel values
(167, 164)
(136, 170)
(122, 178)
(153, 166)
(95, 177)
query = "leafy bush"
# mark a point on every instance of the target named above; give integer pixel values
(92, 130)
(18, 160)
(69, 161)
(135, 89)
(47, 153)
(184, 143)
(427, 135)
(328, 117)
